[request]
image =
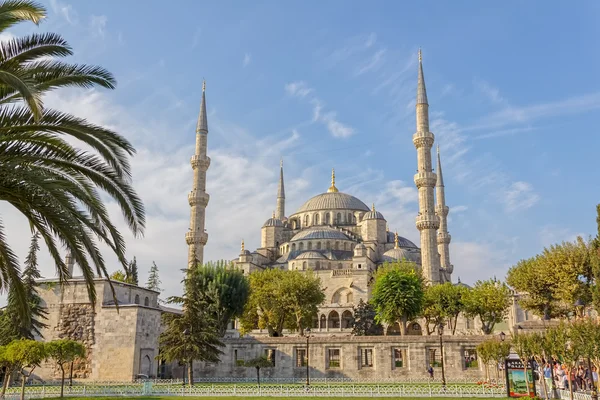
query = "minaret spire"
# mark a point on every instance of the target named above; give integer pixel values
(396, 240)
(70, 263)
(443, 237)
(196, 237)
(332, 188)
(280, 214)
(425, 179)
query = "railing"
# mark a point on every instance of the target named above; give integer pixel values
(341, 272)
(282, 390)
(566, 395)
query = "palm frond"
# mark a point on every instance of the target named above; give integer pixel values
(16, 53)
(15, 11)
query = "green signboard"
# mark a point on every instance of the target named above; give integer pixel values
(516, 384)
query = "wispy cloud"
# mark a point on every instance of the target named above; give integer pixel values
(372, 64)
(64, 10)
(458, 209)
(505, 132)
(519, 196)
(247, 60)
(353, 46)
(328, 118)
(98, 25)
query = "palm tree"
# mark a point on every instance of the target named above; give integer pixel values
(50, 181)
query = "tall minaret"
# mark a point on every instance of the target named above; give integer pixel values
(441, 209)
(70, 263)
(427, 221)
(280, 213)
(196, 238)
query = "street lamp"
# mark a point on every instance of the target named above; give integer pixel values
(185, 336)
(306, 357)
(441, 333)
(502, 336)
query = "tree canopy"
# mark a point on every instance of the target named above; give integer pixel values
(153, 279)
(398, 293)
(489, 300)
(363, 321)
(64, 351)
(282, 299)
(442, 304)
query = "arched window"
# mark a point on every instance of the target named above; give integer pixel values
(318, 245)
(327, 218)
(147, 301)
(137, 299)
(309, 246)
(349, 297)
(323, 324)
(301, 246)
(334, 319)
(347, 319)
(316, 218)
(306, 220)
(293, 224)
(337, 245)
(328, 245)
(339, 218)
(317, 265)
(346, 246)
(304, 265)
(349, 218)
(340, 266)
(293, 246)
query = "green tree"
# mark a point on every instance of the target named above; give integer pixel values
(55, 185)
(525, 347)
(153, 279)
(24, 354)
(63, 352)
(363, 322)
(13, 324)
(535, 278)
(485, 355)
(398, 293)
(489, 300)
(258, 363)
(443, 303)
(224, 288)
(131, 273)
(282, 299)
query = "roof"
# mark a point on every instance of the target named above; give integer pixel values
(333, 201)
(402, 242)
(310, 254)
(322, 232)
(373, 215)
(273, 222)
(398, 254)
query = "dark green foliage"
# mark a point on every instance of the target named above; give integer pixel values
(153, 279)
(363, 323)
(489, 300)
(131, 272)
(63, 352)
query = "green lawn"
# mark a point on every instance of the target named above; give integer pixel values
(256, 398)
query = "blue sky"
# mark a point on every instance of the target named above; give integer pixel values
(514, 97)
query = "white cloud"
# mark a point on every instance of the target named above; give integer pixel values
(98, 25)
(478, 261)
(458, 209)
(354, 45)
(6, 36)
(66, 11)
(335, 127)
(372, 64)
(247, 60)
(519, 196)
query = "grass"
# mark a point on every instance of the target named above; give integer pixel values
(254, 398)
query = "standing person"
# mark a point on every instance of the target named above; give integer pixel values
(548, 376)
(430, 372)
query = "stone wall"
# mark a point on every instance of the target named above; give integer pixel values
(360, 357)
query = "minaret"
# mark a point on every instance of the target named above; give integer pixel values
(441, 209)
(427, 221)
(280, 214)
(196, 238)
(70, 263)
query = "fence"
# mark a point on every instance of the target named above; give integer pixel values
(283, 390)
(565, 395)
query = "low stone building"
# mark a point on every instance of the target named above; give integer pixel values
(120, 332)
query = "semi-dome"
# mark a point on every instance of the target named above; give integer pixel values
(333, 201)
(321, 232)
(310, 255)
(273, 222)
(397, 254)
(402, 241)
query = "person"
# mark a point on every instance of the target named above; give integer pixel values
(430, 371)
(548, 376)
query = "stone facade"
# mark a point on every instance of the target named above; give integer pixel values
(361, 358)
(121, 342)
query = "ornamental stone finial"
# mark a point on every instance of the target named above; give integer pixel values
(420, 55)
(204, 85)
(332, 188)
(243, 245)
(396, 240)
(281, 162)
(273, 215)
(373, 207)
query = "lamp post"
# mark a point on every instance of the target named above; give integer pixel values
(306, 358)
(441, 333)
(185, 335)
(502, 336)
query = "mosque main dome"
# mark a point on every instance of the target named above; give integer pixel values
(333, 201)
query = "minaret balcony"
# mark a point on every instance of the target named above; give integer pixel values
(423, 138)
(201, 162)
(427, 221)
(196, 198)
(196, 238)
(443, 238)
(442, 211)
(425, 179)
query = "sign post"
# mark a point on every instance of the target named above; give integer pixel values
(516, 385)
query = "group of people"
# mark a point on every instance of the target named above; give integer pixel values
(579, 378)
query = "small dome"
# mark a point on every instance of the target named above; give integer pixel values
(310, 254)
(333, 201)
(402, 242)
(373, 215)
(246, 252)
(273, 222)
(398, 254)
(319, 233)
